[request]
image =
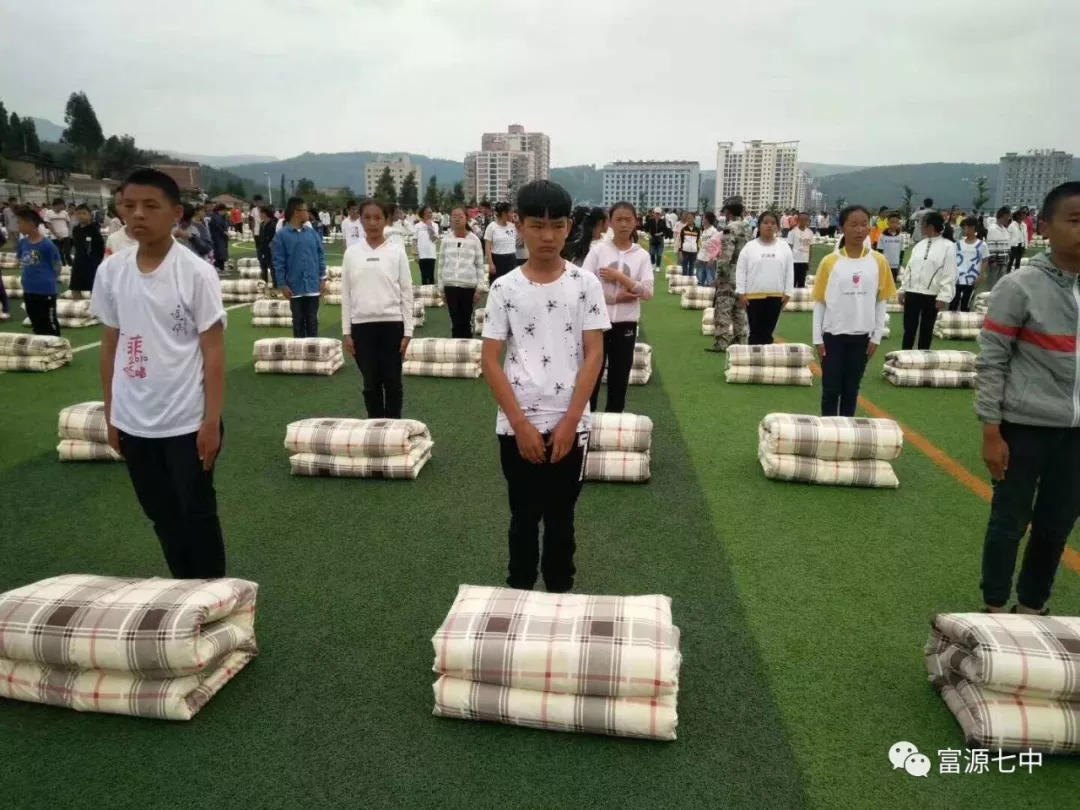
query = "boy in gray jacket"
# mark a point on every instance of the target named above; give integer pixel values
(1028, 399)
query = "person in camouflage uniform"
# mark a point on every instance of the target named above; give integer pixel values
(730, 318)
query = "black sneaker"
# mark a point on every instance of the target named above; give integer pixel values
(1044, 612)
(716, 349)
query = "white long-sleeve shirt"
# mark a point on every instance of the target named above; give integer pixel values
(636, 264)
(765, 269)
(461, 261)
(931, 269)
(850, 295)
(376, 285)
(1017, 234)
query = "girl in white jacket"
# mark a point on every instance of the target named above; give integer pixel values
(928, 283)
(764, 279)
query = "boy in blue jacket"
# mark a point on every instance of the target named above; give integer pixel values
(300, 268)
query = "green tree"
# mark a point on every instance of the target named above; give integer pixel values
(456, 195)
(236, 188)
(30, 136)
(841, 204)
(5, 130)
(410, 195)
(384, 188)
(431, 193)
(703, 202)
(305, 186)
(284, 196)
(982, 193)
(83, 132)
(905, 204)
(119, 155)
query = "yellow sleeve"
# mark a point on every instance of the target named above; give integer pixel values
(821, 279)
(886, 286)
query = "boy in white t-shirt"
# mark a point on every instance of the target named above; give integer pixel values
(550, 316)
(352, 229)
(163, 374)
(800, 238)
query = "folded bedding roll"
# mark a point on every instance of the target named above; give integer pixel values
(356, 438)
(407, 465)
(417, 368)
(959, 320)
(928, 377)
(280, 322)
(69, 323)
(830, 438)
(776, 354)
(648, 718)
(289, 348)
(79, 450)
(767, 375)
(620, 431)
(83, 422)
(957, 333)
(697, 297)
(15, 344)
(855, 473)
(627, 466)
(478, 321)
(323, 368)
(243, 286)
(944, 359)
(444, 350)
(247, 263)
(271, 308)
(34, 362)
(799, 306)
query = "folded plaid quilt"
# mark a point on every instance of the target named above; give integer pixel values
(69, 323)
(1012, 681)
(860, 473)
(958, 333)
(83, 422)
(240, 298)
(284, 348)
(802, 295)
(799, 306)
(250, 272)
(69, 295)
(271, 308)
(444, 350)
(403, 466)
(981, 302)
(333, 273)
(333, 287)
(767, 375)
(830, 438)
(8, 261)
(928, 377)
(478, 321)
(672, 270)
(959, 320)
(418, 309)
(79, 450)
(430, 295)
(944, 359)
(614, 646)
(697, 297)
(620, 431)
(242, 263)
(326, 368)
(332, 300)
(894, 306)
(648, 718)
(71, 308)
(19, 345)
(641, 368)
(791, 355)
(34, 363)
(418, 368)
(278, 322)
(638, 376)
(242, 286)
(618, 465)
(355, 438)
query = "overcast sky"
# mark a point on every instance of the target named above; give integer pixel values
(856, 82)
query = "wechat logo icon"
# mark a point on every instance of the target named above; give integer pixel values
(906, 756)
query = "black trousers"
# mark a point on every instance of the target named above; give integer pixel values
(1044, 468)
(619, 343)
(459, 304)
(64, 246)
(548, 492)
(1016, 253)
(842, 371)
(41, 310)
(178, 496)
(427, 270)
(305, 315)
(5, 305)
(920, 313)
(378, 356)
(801, 269)
(503, 263)
(266, 266)
(763, 314)
(962, 300)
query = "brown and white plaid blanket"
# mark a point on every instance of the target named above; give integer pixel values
(271, 308)
(333, 287)
(928, 377)
(79, 450)
(417, 368)
(767, 375)
(859, 473)
(242, 263)
(429, 294)
(791, 355)
(944, 359)
(799, 306)
(69, 323)
(34, 363)
(618, 465)
(288, 348)
(444, 350)
(960, 333)
(643, 717)
(333, 273)
(620, 431)
(613, 646)
(242, 286)
(404, 466)
(981, 302)
(802, 295)
(69, 295)
(478, 321)
(356, 438)
(83, 422)
(680, 282)
(279, 322)
(240, 298)
(332, 299)
(959, 320)
(641, 368)
(249, 272)
(638, 376)
(15, 344)
(697, 298)
(324, 368)
(12, 282)
(830, 438)
(1012, 681)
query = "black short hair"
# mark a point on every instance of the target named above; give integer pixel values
(934, 220)
(83, 207)
(256, 198)
(893, 215)
(851, 209)
(367, 202)
(291, 205)
(58, 201)
(928, 202)
(1056, 197)
(189, 212)
(1004, 211)
(30, 215)
(268, 210)
(502, 208)
(733, 208)
(709, 218)
(221, 207)
(159, 180)
(349, 204)
(969, 222)
(542, 198)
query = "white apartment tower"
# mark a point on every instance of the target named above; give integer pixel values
(400, 168)
(506, 161)
(1025, 180)
(764, 173)
(516, 139)
(671, 184)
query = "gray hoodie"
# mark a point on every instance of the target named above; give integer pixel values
(1029, 364)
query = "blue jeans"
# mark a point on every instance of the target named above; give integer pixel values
(688, 262)
(656, 253)
(706, 274)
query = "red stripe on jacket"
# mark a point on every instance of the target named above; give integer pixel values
(1000, 328)
(1053, 343)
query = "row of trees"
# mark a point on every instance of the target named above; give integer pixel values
(441, 199)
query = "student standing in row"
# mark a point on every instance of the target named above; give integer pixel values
(500, 242)
(927, 283)
(708, 249)
(426, 232)
(657, 229)
(89, 251)
(40, 262)
(1017, 240)
(461, 272)
(550, 318)
(590, 233)
(891, 244)
(729, 314)
(377, 311)
(219, 236)
(163, 375)
(686, 244)
(625, 271)
(971, 258)
(850, 291)
(267, 232)
(300, 268)
(352, 230)
(1026, 398)
(999, 247)
(58, 221)
(764, 279)
(799, 239)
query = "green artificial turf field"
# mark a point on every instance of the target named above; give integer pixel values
(803, 609)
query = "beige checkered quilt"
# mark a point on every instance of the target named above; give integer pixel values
(791, 355)
(928, 377)
(862, 473)
(444, 350)
(355, 438)
(618, 465)
(830, 438)
(620, 431)
(324, 368)
(271, 308)
(767, 375)
(79, 450)
(287, 348)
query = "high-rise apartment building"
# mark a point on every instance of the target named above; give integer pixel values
(516, 139)
(506, 161)
(400, 168)
(671, 184)
(764, 173)
(1024, 180)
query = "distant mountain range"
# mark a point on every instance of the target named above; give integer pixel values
(220, 161)
(48, 130)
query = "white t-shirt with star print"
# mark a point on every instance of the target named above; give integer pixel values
(543, 326)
